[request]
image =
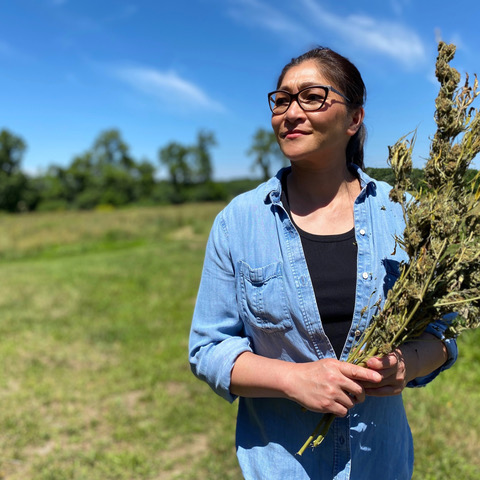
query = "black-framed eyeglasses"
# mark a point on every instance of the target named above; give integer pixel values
(310, 98)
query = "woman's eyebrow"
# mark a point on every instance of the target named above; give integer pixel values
(301, 86)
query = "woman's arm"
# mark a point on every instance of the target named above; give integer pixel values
(217, 333)
(327, 386)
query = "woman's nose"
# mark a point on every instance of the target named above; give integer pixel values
(294, 110)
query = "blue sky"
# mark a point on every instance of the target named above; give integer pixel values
(72, 68)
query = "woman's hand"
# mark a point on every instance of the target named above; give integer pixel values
(328, 385)
(411, 360)
(396, 368)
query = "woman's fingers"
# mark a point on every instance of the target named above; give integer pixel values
(330, 386)
(360, 374)
(393, 371)
(381, 363)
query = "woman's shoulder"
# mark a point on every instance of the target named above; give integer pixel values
(250, 209)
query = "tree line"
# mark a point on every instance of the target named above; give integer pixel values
(108, 174)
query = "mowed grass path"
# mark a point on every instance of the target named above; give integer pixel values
(95, 310)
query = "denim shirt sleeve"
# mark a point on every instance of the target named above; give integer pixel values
(437, 329)
(217, 334)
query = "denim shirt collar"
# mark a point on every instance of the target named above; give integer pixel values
(273, 187)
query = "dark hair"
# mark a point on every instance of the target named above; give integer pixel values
(345, 76)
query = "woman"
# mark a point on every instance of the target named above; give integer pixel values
(289, 270)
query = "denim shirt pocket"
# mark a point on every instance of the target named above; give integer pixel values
(262, 297)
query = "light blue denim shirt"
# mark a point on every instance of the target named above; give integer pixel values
(256, 295)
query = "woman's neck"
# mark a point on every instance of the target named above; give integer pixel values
(321, 200)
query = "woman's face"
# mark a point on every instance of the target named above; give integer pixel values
(318, 136)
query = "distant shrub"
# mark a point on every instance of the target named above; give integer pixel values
(54, 205)
(104, 207)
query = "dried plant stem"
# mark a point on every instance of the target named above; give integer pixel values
(316, 438)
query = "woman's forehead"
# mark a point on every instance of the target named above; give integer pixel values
(306, 73)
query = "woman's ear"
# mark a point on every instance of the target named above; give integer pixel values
(355, 120)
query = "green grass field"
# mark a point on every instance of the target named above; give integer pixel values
(95, 310)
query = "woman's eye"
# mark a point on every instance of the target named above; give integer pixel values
(314, 97)
(281, 101)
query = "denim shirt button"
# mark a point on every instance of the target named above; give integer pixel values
(357, 333)
(362, 231)
(364, 275)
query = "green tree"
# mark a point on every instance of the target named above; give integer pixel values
(12, 149)
(117, 186)
(52, 189)
(265, 150)
(174, 157)
(13, 182)
(81, 174)
(108, 174)
(145, 175)
(104, 174)
(109, 148)
(201, 154)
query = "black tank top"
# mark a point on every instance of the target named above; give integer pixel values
(332, 264)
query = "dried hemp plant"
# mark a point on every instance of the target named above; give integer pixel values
(442, 233)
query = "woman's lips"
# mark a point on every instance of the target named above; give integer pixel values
(293, 134)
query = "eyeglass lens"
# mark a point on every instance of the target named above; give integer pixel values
(309, 99)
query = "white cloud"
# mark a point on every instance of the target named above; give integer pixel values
(254, 12)
(382, 36)
(390, 38)
(167, 87)
(399, 5)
